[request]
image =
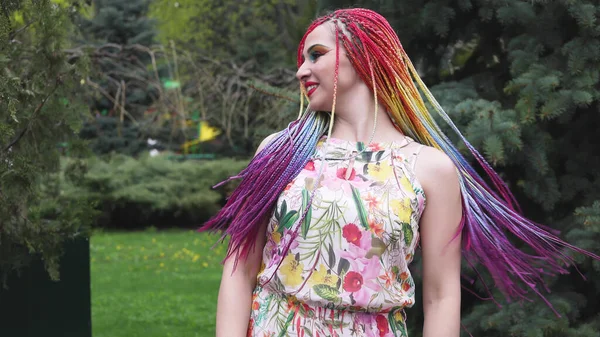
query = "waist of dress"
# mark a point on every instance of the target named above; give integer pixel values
(282, 313)
(330, 307)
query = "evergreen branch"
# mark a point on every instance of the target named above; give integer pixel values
(5, 11)
(252, 84)
(35, 112)
(13, 34)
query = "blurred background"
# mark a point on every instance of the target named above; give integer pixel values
(117, 117)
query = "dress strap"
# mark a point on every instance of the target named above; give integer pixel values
(415, 155)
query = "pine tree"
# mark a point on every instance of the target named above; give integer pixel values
(121, 22)
(118, 37)
(40, 107)
(119, 66)
(521, 80)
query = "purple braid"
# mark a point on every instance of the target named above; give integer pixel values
(263, 180)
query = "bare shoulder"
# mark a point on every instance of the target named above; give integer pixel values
(265, 142)
(435, 170)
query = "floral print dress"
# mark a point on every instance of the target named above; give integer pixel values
(343, 270)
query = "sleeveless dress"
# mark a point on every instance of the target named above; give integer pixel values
(343, 270)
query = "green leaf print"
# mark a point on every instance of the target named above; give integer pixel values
(343, 266)
(396, 321)
(360, 146)
(277, 215)
(284, 329)
(378, 247)
(379, 155)
(283, 208)
(331, 256)
(288, 220)
(366, 156)
(362, 212)
(307, 331)
(263, 311)
(408, 233)
(307, 218)
(327, 292)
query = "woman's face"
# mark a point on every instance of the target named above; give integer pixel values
(317, 70)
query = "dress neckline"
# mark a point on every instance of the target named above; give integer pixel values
(373, 147)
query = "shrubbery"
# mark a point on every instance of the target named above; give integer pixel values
(40, 107)
(152, 191)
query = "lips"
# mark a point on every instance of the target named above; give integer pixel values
(310, 87)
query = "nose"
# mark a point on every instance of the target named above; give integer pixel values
(303, 72)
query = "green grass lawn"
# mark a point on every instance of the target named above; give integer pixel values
(154, 283)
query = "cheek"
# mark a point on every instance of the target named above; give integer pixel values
(348, 76)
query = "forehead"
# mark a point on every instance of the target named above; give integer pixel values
(323, 34)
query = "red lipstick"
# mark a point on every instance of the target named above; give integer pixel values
(311, 90)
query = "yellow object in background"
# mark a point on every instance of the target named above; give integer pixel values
(207, 132)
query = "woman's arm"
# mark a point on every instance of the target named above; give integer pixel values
(441, 254)
(235, 292)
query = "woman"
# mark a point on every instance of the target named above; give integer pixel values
(328, 215)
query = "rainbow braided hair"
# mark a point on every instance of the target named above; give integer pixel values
(488, 213)
(263, 180)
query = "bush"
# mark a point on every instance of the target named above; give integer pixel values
(153, 191)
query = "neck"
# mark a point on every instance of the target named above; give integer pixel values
(355, 118)
(359, 125)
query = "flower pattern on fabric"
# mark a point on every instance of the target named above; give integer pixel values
(343, 269)
(291, 271)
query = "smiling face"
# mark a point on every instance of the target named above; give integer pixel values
(317, 69)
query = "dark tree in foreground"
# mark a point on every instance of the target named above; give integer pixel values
(39, 111)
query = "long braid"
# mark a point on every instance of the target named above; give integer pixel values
(265, 177)
(488, 212)
(377, 55)
(263, 180)
(278, 258)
